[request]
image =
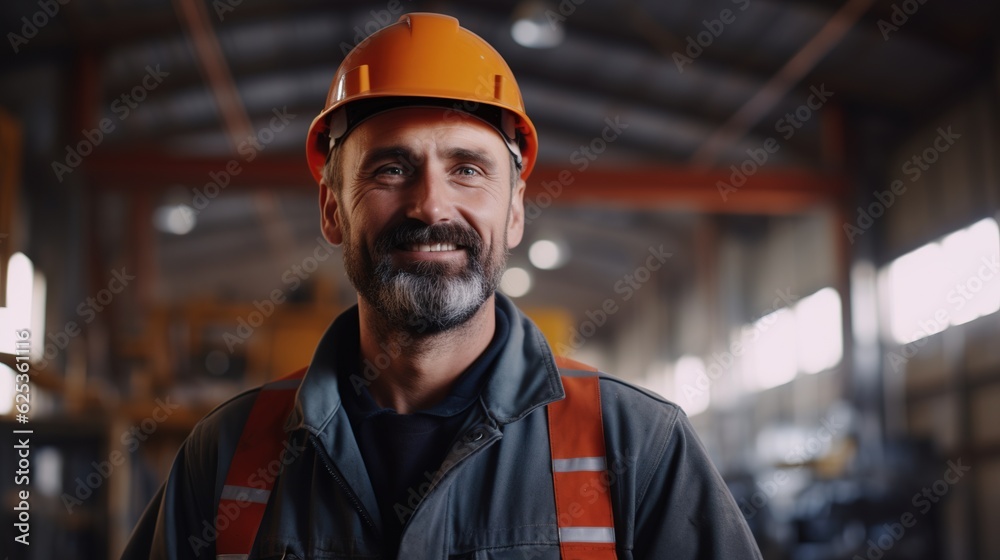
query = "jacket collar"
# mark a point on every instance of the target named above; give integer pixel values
(524, 378)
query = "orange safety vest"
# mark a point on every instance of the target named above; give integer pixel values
(576, 441)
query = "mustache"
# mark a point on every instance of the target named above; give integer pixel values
(414, 231)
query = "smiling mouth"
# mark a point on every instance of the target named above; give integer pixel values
(430, 247)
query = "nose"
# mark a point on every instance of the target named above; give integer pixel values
(429, 197)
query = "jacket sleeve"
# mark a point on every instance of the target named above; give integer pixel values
(179, 522)
(684, 508)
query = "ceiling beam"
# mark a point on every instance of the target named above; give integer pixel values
(781, 83)
(766, 191)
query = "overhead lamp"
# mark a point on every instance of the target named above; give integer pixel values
(535, 27)
(515, 282)
(177, 219)
(547, 254)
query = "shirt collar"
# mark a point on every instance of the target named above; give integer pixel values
(524, 374)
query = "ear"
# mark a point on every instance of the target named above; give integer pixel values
(515, 222)
(329, 216)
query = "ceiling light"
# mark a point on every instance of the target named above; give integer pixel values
(178, 219)
(546, 254)
(533, 28)
(515, 282)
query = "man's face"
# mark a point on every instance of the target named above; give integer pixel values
(426, 213)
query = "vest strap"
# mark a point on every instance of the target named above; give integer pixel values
(254, 468)
(576, 439)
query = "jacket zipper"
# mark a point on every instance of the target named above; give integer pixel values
(351, 496)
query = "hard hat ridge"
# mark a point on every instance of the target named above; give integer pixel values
(423, 60)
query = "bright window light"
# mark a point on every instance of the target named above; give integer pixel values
(20, 285)
(913, 287)
(7, 377)
(806, 338)
(515, 282)
(819, 338)
(971, 257)
(25, 306)
(18, 313)
(771, 356)
(944, 283)
(692, 385)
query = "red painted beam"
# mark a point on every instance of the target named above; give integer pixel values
(765, 190)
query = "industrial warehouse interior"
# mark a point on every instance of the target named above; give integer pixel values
(781, 215)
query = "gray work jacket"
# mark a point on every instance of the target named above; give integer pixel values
(493, 497)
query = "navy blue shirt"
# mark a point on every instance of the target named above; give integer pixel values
(402, 452)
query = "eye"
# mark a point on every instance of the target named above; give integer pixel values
(467, 171)
(392, 172)
(391, 169)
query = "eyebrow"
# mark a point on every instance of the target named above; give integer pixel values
(397, 152)
(403, 153)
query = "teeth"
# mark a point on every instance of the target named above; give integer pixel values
(432, 248)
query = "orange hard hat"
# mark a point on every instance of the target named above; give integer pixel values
(423, 60)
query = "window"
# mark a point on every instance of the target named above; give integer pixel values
(805, 338)
(947, 282)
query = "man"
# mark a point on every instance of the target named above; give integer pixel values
(433, 421)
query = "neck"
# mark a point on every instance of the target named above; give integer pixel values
(420, 369)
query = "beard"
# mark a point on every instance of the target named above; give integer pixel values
(424, 297)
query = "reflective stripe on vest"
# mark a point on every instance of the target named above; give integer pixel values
(246, 492)
(576, 439)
